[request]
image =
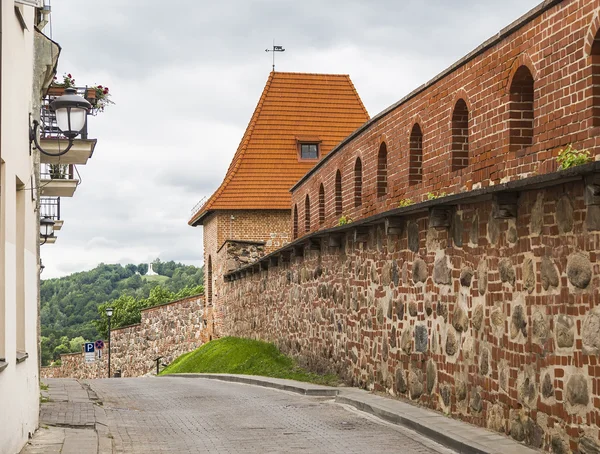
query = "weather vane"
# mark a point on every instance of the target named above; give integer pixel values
(275, 49)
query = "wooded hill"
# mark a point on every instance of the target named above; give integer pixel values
(72, 307)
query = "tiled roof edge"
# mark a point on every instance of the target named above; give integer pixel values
(235, 162)
(358, 97)
(506, 31)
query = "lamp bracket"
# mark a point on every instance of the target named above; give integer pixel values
(33, 139)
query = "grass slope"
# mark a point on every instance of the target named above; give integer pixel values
(233, 355)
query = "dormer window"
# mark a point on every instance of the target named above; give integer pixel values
(308, 148)
(309, 151)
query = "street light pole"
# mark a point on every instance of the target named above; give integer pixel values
(109, 312)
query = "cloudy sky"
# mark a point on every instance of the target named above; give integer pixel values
(186, 75)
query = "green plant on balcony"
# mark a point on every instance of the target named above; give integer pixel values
(58, 171)
(433, 195)
(571, 157)
(405, 202)
(102, 98)
(67, 82)
(344, 220)
(98, 95)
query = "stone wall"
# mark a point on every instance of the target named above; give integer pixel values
(236, 254)
(168, 330)
(493, 321)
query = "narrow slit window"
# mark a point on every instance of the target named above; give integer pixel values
(358, 183)
(382, 183)
(338, 193)
(415, 165)
(460, 135)
(322, 204)
(521, 116)
(307, 214)
(295, 226)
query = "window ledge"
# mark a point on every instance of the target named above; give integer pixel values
(3, 364)
(22, 356)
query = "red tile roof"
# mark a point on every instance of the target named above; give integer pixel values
(293, 107)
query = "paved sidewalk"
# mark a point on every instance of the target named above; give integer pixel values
(70, 422)
(449, 432)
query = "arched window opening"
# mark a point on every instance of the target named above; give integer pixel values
(209, 281)
(358, 183)
(295, 226)
(338, 193)
(322, 204)
(596, 80)
(415, 164)
(307, 214)
(460, 135)
(382, 185)
(521, 110)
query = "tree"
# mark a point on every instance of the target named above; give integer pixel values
(72, 307)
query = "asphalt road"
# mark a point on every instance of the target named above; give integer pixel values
(174, 415)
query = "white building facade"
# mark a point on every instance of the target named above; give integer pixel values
(27, 63)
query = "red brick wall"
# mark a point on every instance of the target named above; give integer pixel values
(270, 226)
(555, 47)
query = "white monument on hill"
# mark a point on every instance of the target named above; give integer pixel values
(151, 272)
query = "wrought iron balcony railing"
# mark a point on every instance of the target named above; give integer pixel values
(57, 171)
(49, 128)
(50, 208)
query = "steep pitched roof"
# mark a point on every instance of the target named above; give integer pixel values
(292, 107)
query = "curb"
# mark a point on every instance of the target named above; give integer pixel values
(445, 439)
(275, 383)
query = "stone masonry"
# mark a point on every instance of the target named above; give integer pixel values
(493, 321)
(168, 330)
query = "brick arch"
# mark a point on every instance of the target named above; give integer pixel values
(461, 93)
(590, 37)
(522, 60)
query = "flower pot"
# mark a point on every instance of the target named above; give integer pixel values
(56, 91)
(90, 94)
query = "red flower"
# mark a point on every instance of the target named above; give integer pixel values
(69, 76)
(106, 91)
(99, 86)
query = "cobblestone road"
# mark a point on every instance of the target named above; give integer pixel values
(174, 415)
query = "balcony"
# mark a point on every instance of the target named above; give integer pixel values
(50, 208)
(53, 141)
(57, 180)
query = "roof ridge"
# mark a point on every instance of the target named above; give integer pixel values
(309, 74)
(235, 163)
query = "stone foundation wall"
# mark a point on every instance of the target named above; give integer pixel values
(493, 321)
(236, 254)
(168, 330)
